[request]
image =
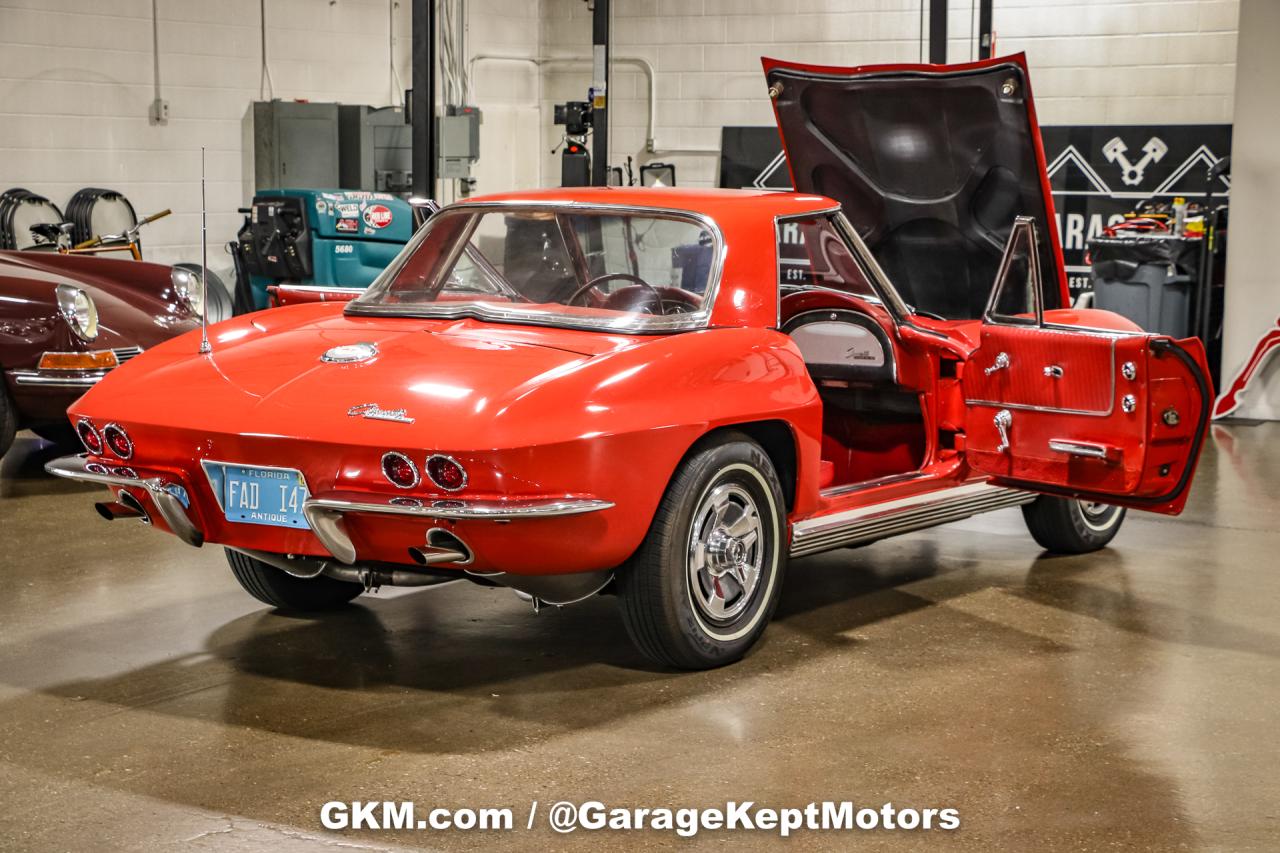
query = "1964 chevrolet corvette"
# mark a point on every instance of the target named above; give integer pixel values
(666, 393)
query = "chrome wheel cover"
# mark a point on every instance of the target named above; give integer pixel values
(726, 552)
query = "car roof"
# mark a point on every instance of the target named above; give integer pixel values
(716, 203)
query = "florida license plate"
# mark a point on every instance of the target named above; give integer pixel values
(271, 496)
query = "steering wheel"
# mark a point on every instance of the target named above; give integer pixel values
(651, 292)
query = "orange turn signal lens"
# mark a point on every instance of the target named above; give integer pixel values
(102, 359)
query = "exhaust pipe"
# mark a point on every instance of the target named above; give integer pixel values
(127, 507)
(442, 547)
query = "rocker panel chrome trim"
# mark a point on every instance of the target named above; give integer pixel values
(877, 521)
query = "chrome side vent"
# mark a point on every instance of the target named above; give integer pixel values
(123, 354)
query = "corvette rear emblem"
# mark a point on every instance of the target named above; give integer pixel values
(374, 412)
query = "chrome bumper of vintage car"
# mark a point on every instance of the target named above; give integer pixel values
(324, 512)
(48, 378)
(58, 378)
(164, 493)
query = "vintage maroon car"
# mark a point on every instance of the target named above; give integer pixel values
(67, 320)
(667, 393)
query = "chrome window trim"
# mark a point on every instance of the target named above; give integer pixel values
(898, 309)
(1020, 224)
(205, 463)
(624, 324)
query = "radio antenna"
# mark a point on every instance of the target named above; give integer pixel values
(204, 264)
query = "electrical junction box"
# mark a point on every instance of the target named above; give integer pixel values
(376, 149)
(295, 144)
(457, 141)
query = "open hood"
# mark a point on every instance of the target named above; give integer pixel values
(931, 164)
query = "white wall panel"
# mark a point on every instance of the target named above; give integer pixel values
(76, 84)
(1092, 61)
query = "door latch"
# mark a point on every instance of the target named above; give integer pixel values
(1002, 362)
(1003, 421)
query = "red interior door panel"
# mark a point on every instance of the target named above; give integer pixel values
(1118, 418)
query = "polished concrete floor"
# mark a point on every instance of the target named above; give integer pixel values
(1125, 700)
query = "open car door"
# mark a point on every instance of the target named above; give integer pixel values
(1112, 416)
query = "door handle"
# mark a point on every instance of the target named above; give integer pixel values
(1053, 371)
(1001, 363)
(1085, 449)
(1003, 421)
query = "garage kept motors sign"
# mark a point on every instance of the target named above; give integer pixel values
(1097, 173)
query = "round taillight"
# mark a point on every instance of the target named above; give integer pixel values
(400, 470)
(446, 473)
(89, 436)
(118, 441)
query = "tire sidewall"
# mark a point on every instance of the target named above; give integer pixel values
(1091, 531)
(745, 465)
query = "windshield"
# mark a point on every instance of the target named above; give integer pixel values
(587, 268)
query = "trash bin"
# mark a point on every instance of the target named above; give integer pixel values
(1151, 279)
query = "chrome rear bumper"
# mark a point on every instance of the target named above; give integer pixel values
(324, 512)
(175, 516)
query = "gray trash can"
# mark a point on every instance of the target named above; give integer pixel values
(1151, 279)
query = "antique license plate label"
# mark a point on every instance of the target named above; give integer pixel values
(271, 496)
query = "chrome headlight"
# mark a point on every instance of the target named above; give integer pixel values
(187, 287)
(79, 311)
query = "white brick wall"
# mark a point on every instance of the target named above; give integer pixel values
(75, 79)
(76, 82)
(1092, 61)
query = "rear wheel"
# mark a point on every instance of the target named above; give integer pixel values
(701, 588)
(284, 591)
(1070, 526)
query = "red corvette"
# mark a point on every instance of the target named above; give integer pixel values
(668, 393)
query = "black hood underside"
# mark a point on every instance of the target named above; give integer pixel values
(930, 165)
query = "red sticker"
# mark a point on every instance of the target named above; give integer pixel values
(378, 215)
(347, 225)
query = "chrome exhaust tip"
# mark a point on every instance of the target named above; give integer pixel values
(127, 507)
(442, 547)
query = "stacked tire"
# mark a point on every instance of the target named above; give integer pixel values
(19, 210)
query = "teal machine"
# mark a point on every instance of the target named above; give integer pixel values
(324, 238)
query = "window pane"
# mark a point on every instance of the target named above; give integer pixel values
(811, 253)
(598, 268)
(1017, 289)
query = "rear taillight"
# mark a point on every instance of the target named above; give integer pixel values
(89, 436)
(400, 470)
(117, 441)
(446, 473)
